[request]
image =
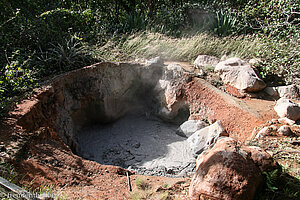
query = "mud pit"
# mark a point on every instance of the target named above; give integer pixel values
(139, 142)
(136, 129)
(110, 113)
(124, 115)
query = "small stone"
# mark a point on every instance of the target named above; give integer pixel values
(264, 132)
(270, 152)
(189, 127)
(271, 91)
(206, 137)
(154, 61)
(254, 61)
(285, 130)
(174, 67)
(285, 120)
(223, 58)
(170, 171)
(274, 128)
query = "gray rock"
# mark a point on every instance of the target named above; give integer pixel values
(190, 127)
(174, 67)
(205, 61)
(271, 91)
(205, 137)
(239, 74)
(286, 108)
(290, 91)
(285, 130)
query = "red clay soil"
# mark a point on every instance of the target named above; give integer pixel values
(45, 160)
(238, 120)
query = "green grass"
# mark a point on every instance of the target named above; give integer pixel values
(141, 184)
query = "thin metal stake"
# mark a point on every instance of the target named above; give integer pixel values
(129, 184)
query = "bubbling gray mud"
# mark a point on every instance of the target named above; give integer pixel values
(142, 143)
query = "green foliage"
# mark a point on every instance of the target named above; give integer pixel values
(141, 184)
(60, 57)
(8, 172)
(271, 178)
(134, 22)
(272, 17)
(166, 185)
(168, 20)
(15, 78)
(225, 23)
(289, 193)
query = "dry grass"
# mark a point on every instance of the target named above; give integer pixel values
(278, 56)
(181, 49)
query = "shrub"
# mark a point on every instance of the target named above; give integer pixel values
(141, 184)
(225, 23)
(60, 57)
(15, 78)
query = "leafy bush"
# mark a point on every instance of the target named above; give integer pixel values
(168, 21)
(225, 23)
(15, 77)
(272, 17)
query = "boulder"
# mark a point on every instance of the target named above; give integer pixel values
(190, 127)
(206, 61)
(290, 91)
(230, 170)
(287, 108)
(205, 137)
(240, 75)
